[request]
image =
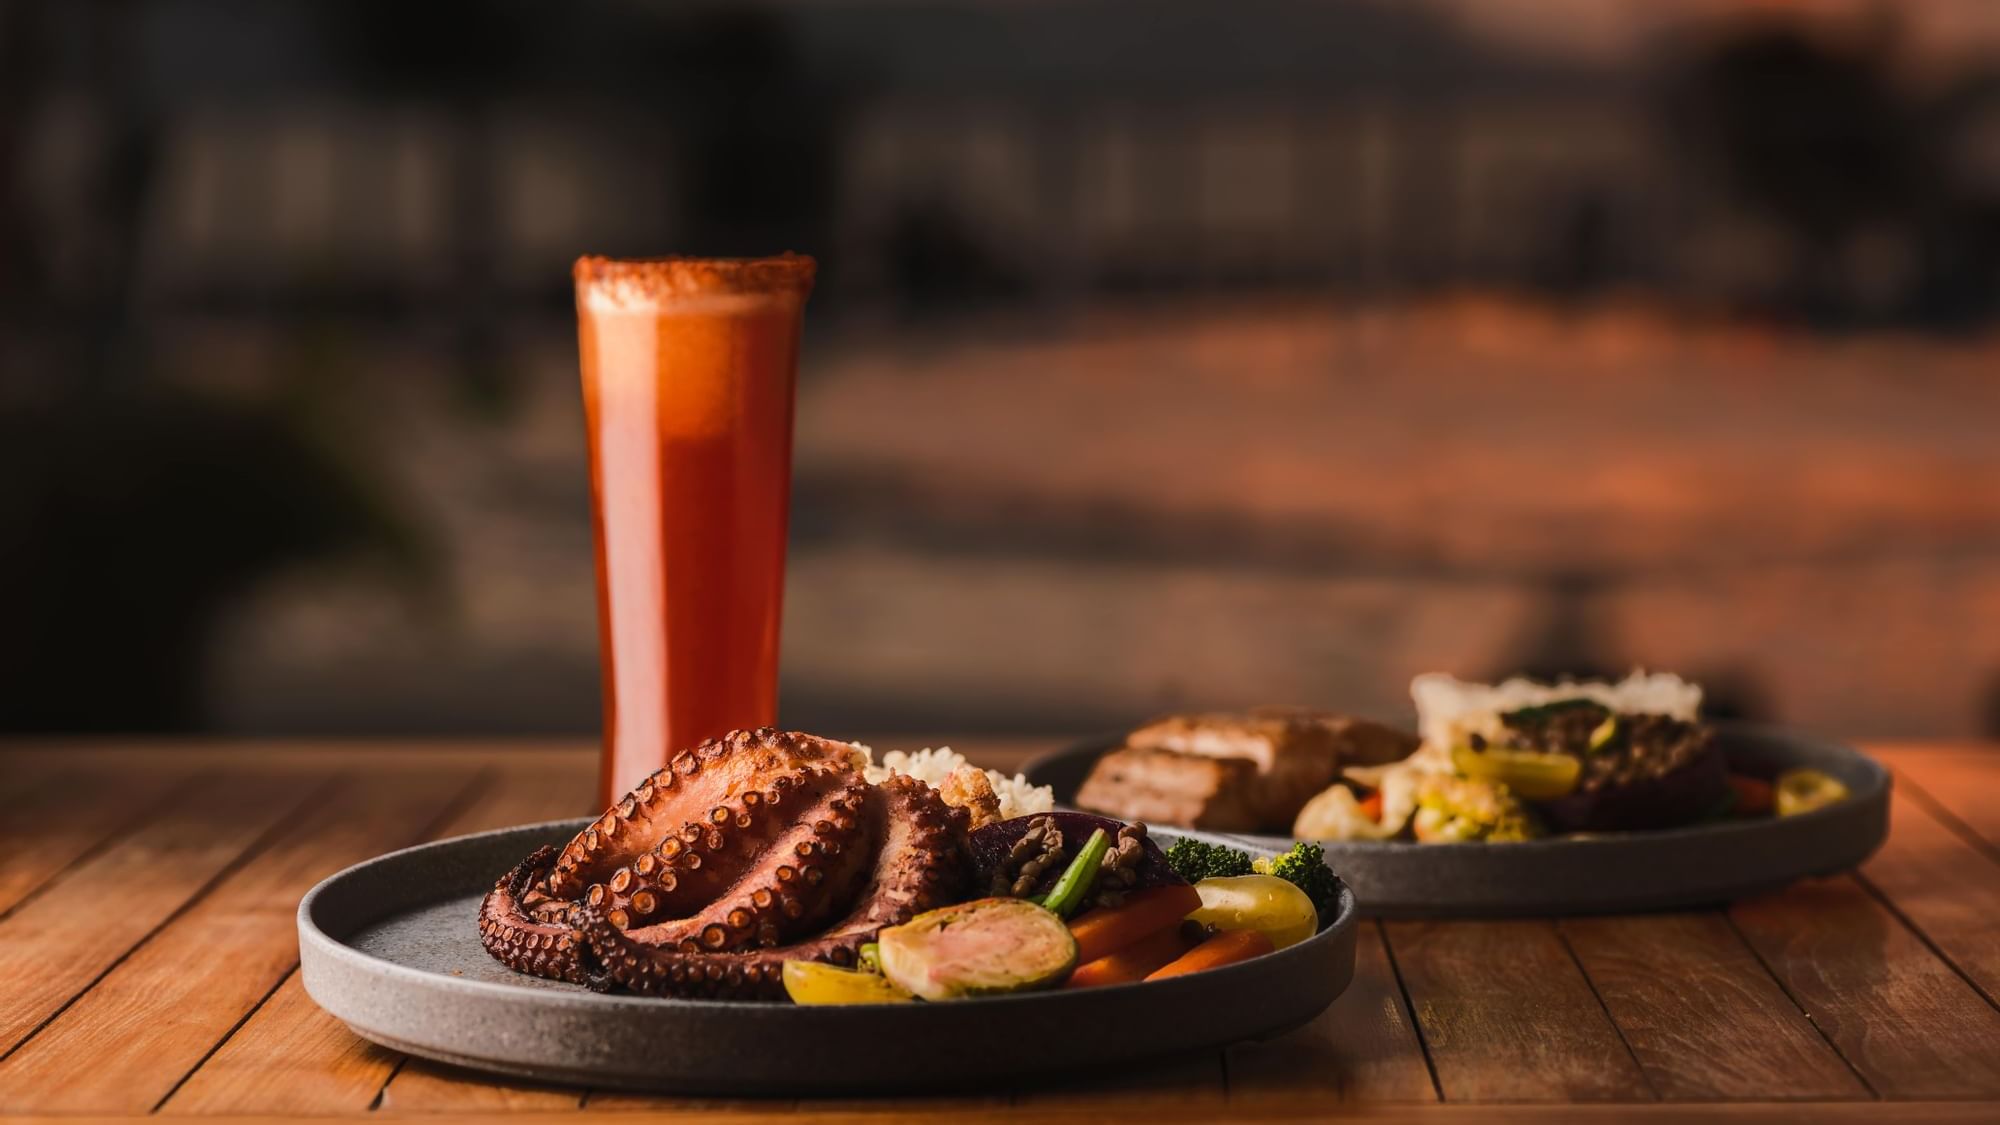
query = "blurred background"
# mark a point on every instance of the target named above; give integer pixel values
(1167, 353)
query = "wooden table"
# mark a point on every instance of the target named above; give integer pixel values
(148, 957)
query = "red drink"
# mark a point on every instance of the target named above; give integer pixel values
(688, 368)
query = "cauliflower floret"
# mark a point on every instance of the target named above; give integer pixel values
(1336, 815)
(968, 788)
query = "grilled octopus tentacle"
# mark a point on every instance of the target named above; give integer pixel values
(749, 850)
(812, 871)
(919, 865)
(523, 943)
(687, 789)
(708, 856)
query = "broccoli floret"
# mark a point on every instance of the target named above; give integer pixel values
(1305, 868)
(1194, 861)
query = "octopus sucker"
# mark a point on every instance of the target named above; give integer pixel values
(749, 850)
(547, 949)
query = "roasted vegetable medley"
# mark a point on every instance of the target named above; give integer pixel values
(1521, 760)
(1081, 901)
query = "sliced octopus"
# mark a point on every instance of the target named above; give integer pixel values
(745, 852)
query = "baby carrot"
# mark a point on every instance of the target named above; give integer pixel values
(1753, 797)
(1108, 929)
(1132, 962)
(1225, 948)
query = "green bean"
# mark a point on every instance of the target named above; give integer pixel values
(1071, 889)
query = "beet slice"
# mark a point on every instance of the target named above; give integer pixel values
(1679, 796)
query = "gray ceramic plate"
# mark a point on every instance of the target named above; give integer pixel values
(390, 947)
(1698, 865)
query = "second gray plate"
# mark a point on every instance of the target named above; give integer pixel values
(390, 947)
(1607, 872)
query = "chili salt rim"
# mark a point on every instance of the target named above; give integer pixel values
(642, 280)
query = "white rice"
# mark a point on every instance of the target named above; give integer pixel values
(932, 765)
(1448, 707)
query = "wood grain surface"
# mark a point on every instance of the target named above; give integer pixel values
(1362, 1049)
(204, 975)
(147, 893)
(1910, 1025)
(1942, 886)
(1703, 1018)
(1508, 1016)
(57, 944)
(40, 836)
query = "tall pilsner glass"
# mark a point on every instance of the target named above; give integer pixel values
(688, 371)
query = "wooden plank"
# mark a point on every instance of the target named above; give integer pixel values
(1965, 784)
(524, 790)
(426, 1087)
(20, 773)
(684, 1108)
(1910, 1025)
(1363, 1048)
(571, 754)
(1657, 1113)
(1142, 1089)
(204, 753)
(1836, 1113)
(25, 779)
(1946, 887)
(291, 1057)
(42, 835)
(199, 977)
(1507, 1016)
(997, 752)
(936, 1107)
(1703, 1017)
(57, 943)
(288, 1058)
